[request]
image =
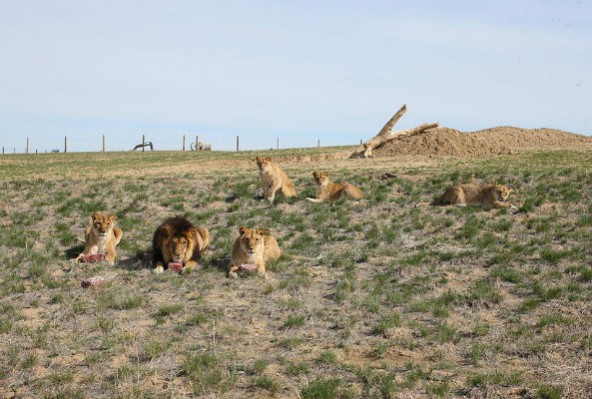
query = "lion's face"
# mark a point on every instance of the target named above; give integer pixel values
(502, 192)
(251, 239)
(102, 225)
(180, 248)
(321, 178)
(263, 162)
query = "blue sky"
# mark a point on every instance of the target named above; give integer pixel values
(300, 70)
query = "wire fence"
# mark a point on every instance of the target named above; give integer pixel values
(143, 146)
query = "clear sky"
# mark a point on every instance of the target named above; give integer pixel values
(300, 70)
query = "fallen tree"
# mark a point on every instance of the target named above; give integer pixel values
(386, 134)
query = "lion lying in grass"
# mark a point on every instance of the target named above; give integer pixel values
(274, 179)
(101, 238)
(177, 241)
(327, 190)
(485, 195)
(251, 250)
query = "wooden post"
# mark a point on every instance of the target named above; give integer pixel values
(2, 150)
(103, 143)
(196, 143)
(183, 142)
(65, 144)
(237, 141)
(143, 142)
(27, 150)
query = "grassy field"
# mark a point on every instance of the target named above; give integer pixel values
(386, 298)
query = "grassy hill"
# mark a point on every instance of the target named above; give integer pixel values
(386, 298)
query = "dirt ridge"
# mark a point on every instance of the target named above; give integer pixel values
(499, 140)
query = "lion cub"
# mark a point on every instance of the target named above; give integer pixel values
(485, 195)
(176, 241)
(101, 237)
(274, 179)
(251, 250)
(327, 190)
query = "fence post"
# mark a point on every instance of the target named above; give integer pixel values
(196, 143)
(319, 143)
(103, 143)
(27, 150)
(143, 142)
(183, 142)
(237, 141)
(65, 144)
(2, 150)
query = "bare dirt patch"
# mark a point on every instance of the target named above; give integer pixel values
(494, 141)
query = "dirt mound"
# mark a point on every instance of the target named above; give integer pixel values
(498, 140)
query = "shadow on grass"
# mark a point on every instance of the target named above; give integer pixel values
(73, 251)
(140, 260)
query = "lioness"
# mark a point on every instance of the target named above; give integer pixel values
(251, 250)
(176, 240)
(101, 237)
(327, 190)
(485, 195)
(274, 179)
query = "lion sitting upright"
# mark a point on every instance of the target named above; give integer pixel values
(274, 179)
(177, 241)
(327, 190)
(251, 250)
(101, 238)
(485, 195)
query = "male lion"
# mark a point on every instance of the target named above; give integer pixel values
(274, 179)
(176, 240)
(251, 250)
(485, 195)
(101, 238)
(327, 190)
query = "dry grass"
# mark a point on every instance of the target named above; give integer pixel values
(387, 298)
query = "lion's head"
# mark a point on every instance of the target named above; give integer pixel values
(180, 248)
(102, 225)
(501, 192)
(252, 239)
(320, 178)
(177, 240)
(263, 162)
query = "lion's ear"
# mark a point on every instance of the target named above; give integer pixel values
(315, 173)
(112, 218)
(325, 174)
(243, 230)
(95, 216)
(263, 232)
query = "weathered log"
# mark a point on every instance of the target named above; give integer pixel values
(385, 135)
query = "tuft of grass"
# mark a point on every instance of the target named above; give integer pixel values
(321, 389)
(294, 320)
(267, 383)
(208, 374)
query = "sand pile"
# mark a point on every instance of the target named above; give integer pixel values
(498, 140)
